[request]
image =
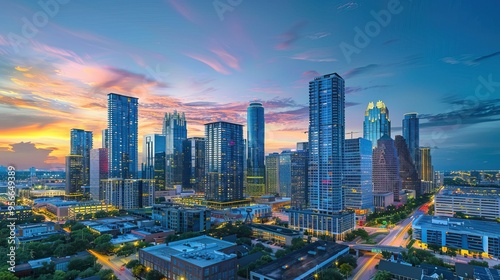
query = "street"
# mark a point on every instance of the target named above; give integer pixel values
(114, 264)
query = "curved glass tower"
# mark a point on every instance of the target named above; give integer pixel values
(377, 122)
(256, 169)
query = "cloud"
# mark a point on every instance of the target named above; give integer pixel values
(183, 10)
(269, 87)
(199, 104)
(349, 90)
(316, 55)
(467, 59)
(349, 6)
(212, 63)
(227, 58)
(289, 37)
(288, 116)
(351, 104)
(24, 155)
(318, 35)
(360, 70)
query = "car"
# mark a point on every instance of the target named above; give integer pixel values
(122, 267)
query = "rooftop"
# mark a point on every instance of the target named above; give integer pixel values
(201, 251)
(125, 238)
(276, 229)
(401, 269)
(470, 192)
(45, 224)
(463, 226)
(301, 261)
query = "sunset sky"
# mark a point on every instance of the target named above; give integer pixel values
(209, 59)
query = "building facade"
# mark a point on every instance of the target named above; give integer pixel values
(175, 131)
(256, 170)
(407, 170)
(154, 159)
(224, 157)
(272, 173)
(182, 219)
(98, 171)
(425, 169)
(377, 122)
(285, 174)
(122, 136)
(128, 193)
(81, 144)
(194, 164)
(411, 134)
(467, 201)
(299, 174)
(385, 174)
(74, 174)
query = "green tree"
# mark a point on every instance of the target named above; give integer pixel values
(6, 275)
(102, 244)
(106, 274)
(154, 275)
(127, 250)
(330, 274)
(346, 269)
(280, 253)
(58, 275)
(496, 266)
(348, 259)
(132, 263)
(382, 275)
(386, 255)
(479, 263)
(101, 214)
(138, 270)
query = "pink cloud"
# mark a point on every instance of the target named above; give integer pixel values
(227, 58)
(181, 8)
(214, 64)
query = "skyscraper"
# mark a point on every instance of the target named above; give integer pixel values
(426, 170)
(175, 131)
(326, 161)
(272, 173)
(105, 140)
(358, 186)
(122, 136)
(377, 122)
(386, 176)
(411, 134)
(81, 144)
(194, 164)
(299, 190)
(285, 174)
(74, 174)
(154, 159)
(98, 171)
(407, 169)
(256, 185)
(224, 157)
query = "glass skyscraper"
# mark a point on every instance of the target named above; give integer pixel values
(98, 171)
(377, 122)
(272, 173)
(256, 169)
(386, 176)
(285, 174)
(224, 157)
(175, 131)
(153, 159)
(358, 186)
(299, 166)
(122, 136)
(411, 134)
(326, 142)
(81, 144)
(74, 174)
(194, 164)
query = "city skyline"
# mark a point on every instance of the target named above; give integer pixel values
(211, 63)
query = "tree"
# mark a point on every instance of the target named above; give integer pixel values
(434, 247)
(132, 263)
(280, 253)
(330, 274)
(102, 244)
(382, 275)
(346, 269)
(101, 214)
(106, 274)
(479, 263)
(127, 250)
(154, 275)
(386, 254)
(298, 243)
(138, 270)
(7, 275)
(348, 259)
(496, 266)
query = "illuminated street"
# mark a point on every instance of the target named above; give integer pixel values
(111, 264)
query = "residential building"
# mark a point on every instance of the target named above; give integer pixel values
(256, 184)
(411, 134)
(74, 174)
(299, 179)
(105, 139)
(98, 171)
(154, 159)
(194, 164)
(401, 271)
(377, 122)
(182, 219)
(224, 156)
(81, 144)
(272, 173)
(386, 177)
(276, 234)
(122, 136)
(425, 169)
(128, 193)
(285, 174)
(175, 131)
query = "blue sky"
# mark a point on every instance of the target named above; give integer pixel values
(209, 59)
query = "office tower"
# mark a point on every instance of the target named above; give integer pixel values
(377, 122)
(385, 174)
(302, 146)
(128, 193)
(194, 164)
(358, 186)
(98, 171)
(326, 161)
(272, 173)
(255, 185)
(81, 144)
(105, 139)
(122, 136)
(407, 169)
(285, 174)
(154, 159)
(426, 170)
(74, 174)
(224, 157)
(175, 131)
(411, 133)
(299, 191)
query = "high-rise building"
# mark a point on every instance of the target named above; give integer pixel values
(326, 161)
(302, 146)
(272, 173)
(385, 174)
(411, 133)
(175, 131)
(122, 136)
(426, 170)
(255, 185)
(128, 193)
(98, 171)
(299, 190)
(358, 185)
(377, 122)
(194, 164)
(285, 173)
(154, 159)
(74, 174)
(224, 157)
(407, 169)
(81, 144)
(105, 139)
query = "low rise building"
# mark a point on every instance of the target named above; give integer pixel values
(318, 223)
(477, 202)
(401, 271)
(200, 258)
(302, 264)
(468, 236)
(64, 209)
(153, 234)
(182, 219)
(19, 212)
(277, 234)
(382, 199)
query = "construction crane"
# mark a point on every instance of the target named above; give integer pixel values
(352, 132)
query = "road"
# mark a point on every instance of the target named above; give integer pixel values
(394, 238)
(107, 263)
